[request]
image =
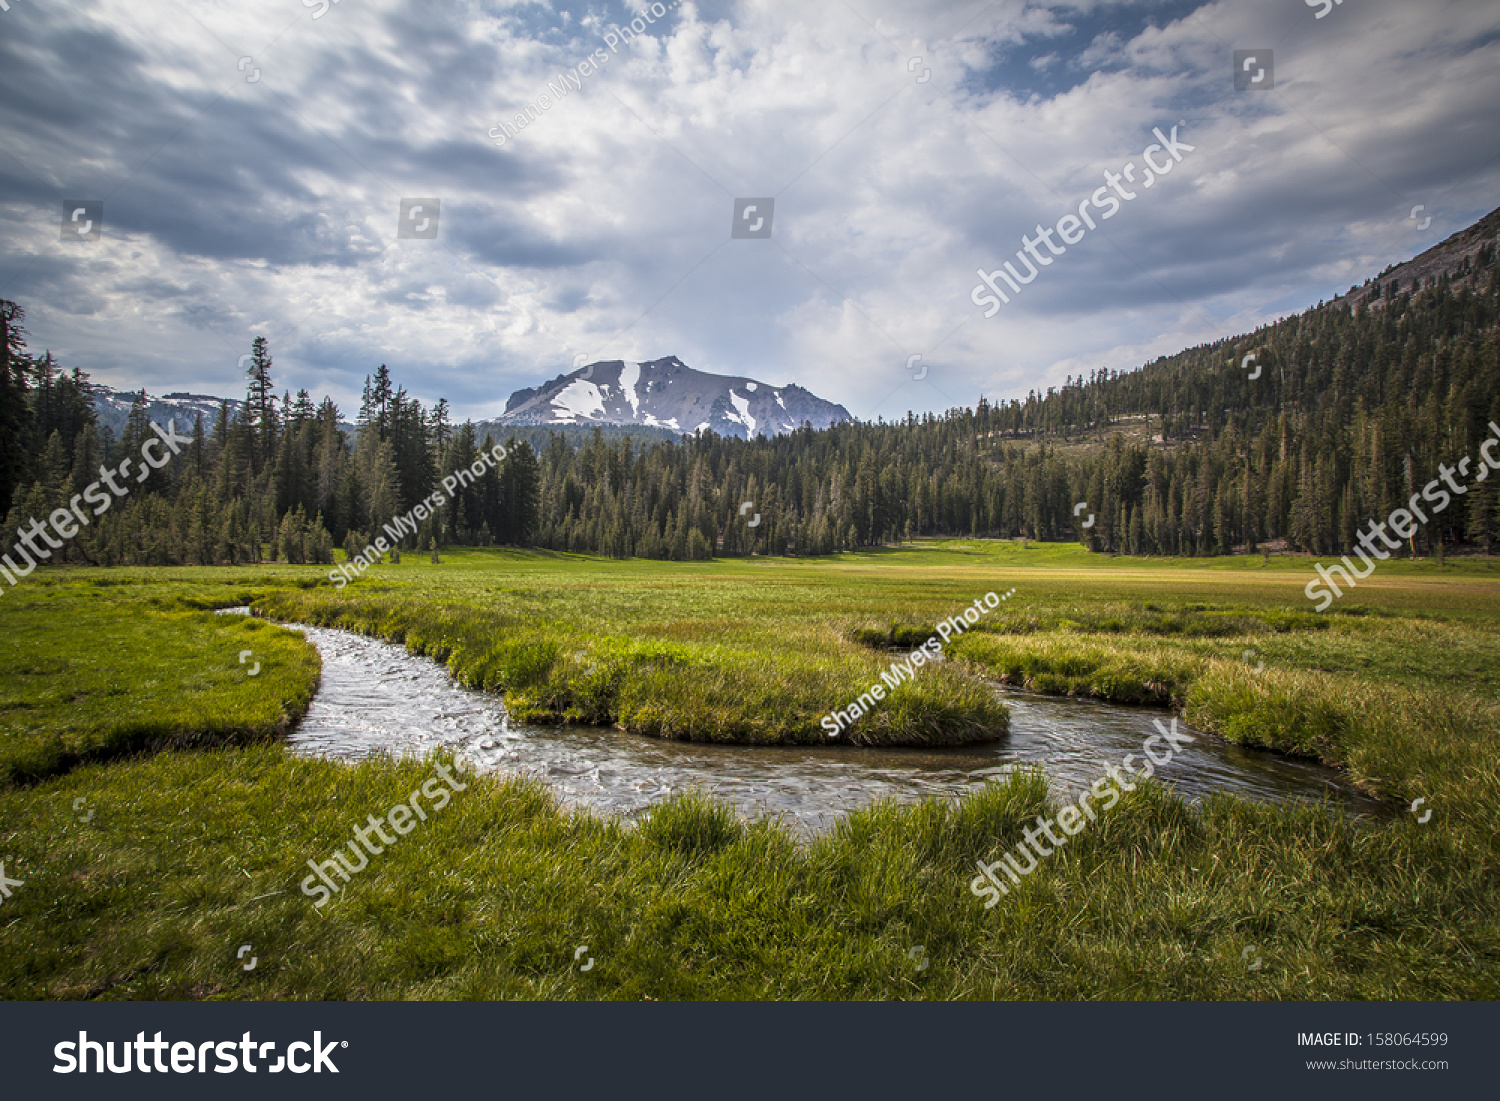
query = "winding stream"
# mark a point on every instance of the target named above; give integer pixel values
(376, 698)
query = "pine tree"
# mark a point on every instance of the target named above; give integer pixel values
(260, 401)
(15, 412)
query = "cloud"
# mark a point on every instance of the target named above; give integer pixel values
(906, 145)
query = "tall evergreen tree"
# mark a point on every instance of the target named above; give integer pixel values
(260, 402)
(15, 412)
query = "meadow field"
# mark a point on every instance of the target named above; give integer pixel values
(156, 824)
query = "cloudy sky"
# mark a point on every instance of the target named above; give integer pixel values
(252, 157)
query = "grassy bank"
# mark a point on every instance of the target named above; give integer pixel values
(191, 852)
(728, 678)
(99, 668)
(1397, 735)
(191, 855)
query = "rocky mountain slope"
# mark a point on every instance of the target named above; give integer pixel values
(666, 393)
(1459, 257)
(113, 408)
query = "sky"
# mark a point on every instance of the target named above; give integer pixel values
(254, 158)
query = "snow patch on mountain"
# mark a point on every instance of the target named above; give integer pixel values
(630, 374)
(667, 393)
(579, 399)
(742, 407)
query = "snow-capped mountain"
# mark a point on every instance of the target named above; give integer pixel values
(113, 407)
(667, 393)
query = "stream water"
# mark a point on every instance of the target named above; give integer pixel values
(376, 698)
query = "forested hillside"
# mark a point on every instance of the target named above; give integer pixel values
(1351, 411)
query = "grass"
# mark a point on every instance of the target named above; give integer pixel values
(191, 855)
(89, 671)
(129, 697)
(704, 658)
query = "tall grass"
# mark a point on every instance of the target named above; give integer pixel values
(194, 850)
(92, 672)
(715, 682)
(190, 855)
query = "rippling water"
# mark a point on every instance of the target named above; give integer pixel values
(376, 698)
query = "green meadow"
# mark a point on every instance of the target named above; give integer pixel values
(156, 824)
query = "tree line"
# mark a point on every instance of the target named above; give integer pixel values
(278, 479)
(1352, 410)
(1354, 407)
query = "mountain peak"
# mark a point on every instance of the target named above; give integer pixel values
(667, 393)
